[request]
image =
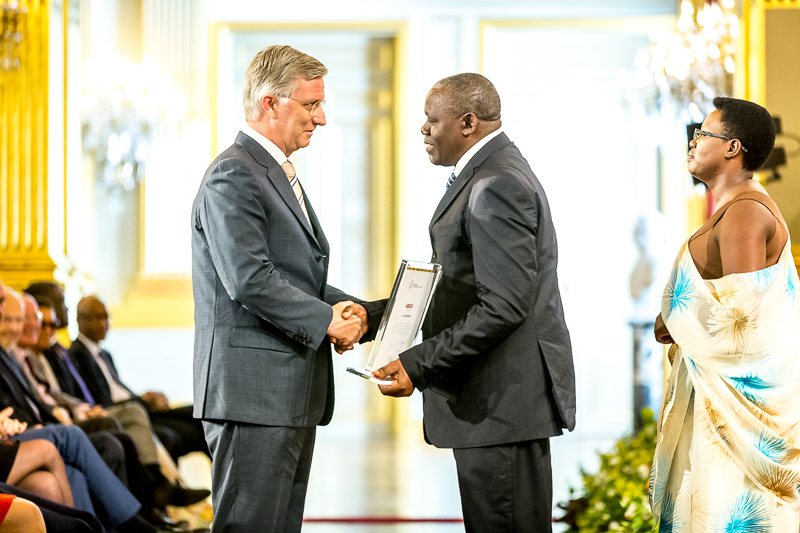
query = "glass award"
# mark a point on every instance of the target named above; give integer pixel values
(402, 319)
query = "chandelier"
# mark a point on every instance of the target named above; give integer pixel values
(12, 35)
(124, 107)
(684, 70)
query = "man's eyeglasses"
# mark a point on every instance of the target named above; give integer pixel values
(311, 106)
(701, 133)
(47, 324)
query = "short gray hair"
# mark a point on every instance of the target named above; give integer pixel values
(470, 93)
(276, 70)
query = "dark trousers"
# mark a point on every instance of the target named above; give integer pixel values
(123, 462)
(506, 488)
(259, 476)
(179, 431)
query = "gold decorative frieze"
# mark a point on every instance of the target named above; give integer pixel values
(781, 3)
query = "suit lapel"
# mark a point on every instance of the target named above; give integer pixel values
(112, 369)
(467, 173)
(278, 178)
(14, 387)
(102, 389)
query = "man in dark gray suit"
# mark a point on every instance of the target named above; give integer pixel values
(263, 310)
(495, 368)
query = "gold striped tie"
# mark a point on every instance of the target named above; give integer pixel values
(295, 184)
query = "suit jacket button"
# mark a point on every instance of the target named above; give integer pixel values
(298, 338)
(318, 258)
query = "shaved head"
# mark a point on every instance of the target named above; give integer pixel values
(92, 318)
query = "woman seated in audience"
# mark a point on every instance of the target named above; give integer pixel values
(35, 465)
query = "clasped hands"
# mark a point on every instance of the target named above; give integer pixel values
(348, 325)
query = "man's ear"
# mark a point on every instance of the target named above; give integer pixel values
(268, 104)
(469, 123)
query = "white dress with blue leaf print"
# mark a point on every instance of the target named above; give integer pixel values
(728, 446)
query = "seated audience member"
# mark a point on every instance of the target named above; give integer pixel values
(57, 517)
(115, 447)
(70, 410)
(66, 372)
(37, 336)
(176, 428)
(34, 466)
(97, 368)
(94, 486)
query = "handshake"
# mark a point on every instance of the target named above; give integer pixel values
(348, 325)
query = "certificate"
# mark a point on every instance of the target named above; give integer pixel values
(411, 295)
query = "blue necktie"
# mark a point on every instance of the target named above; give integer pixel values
(450, 180)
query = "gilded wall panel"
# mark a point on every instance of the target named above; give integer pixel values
(23, 144)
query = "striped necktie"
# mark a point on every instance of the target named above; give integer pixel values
(450, 180)
(295, 184)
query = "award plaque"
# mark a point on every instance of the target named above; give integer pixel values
(411, 296)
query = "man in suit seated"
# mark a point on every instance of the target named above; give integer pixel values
(38, 335)
(495, 368)
(95, 487)
(32, 409)
(64, 369)
(182, 433)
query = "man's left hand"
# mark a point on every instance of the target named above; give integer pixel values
(96, 411)
(401, 383)
(156, 402)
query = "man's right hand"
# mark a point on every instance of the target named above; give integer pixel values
(344, 332)
(357, 310)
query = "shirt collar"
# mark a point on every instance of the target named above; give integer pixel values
(276, 153)
(94, 348)
(474, 150)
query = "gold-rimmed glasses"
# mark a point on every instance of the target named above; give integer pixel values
(311, 106)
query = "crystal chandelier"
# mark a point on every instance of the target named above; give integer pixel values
(684, 70)
(12, 35)
(124, 106)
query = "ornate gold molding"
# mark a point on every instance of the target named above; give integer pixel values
(781, 3)
(23, 156)
(754, 77)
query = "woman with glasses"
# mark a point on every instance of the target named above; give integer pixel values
(729, 436)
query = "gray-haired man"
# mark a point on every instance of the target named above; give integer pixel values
(263, 309)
